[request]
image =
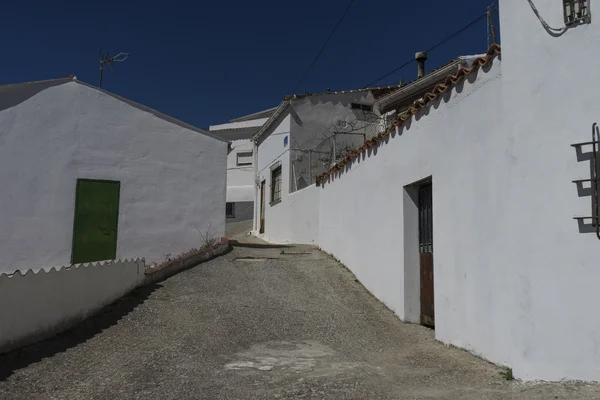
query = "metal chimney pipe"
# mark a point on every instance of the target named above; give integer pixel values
(421, 56)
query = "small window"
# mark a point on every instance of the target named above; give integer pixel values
(364, 107)
(244, 158)
(230, 210)
(276, 185)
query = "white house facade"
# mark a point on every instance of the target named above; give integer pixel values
(87, 176)
(304, 136)
(477, 212)
(240, 163)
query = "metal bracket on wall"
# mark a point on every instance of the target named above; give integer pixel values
(595, 143)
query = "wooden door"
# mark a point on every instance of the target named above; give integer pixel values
(96, 221)
(262, 207)
(426, 255)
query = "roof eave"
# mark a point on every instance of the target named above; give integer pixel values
(271, 119)
(417, 85)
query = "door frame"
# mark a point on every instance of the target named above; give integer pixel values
(426, 255)
(261, 218)
(75, 209)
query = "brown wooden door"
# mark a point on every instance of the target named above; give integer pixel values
(262, 207)
(426, 254)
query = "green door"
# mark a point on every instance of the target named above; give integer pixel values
(96, 218)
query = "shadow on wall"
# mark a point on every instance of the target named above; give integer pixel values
(13, 95)
(107, 317)
(582, 191)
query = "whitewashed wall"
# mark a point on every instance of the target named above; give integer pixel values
(240, 179)
(296, 218)
(367, 217)
(271, 151)
(514, 276)
(41, 303)
(551, 100)
(172, 178)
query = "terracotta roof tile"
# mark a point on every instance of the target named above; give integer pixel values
(449, 82)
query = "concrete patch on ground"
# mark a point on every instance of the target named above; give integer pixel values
(297, 355)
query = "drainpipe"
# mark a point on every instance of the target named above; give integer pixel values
(421, 56)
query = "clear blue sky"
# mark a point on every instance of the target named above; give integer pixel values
(205, 62)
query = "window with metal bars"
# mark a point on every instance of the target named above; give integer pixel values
(425, 219)
(230, 210)
(275, 185)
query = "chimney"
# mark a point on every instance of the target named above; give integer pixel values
(421, 56)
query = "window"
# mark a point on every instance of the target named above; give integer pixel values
(230, 210)
(276, 185)
(364, 107)
(244, 158)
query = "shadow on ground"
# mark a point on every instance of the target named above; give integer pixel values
(235, 243)
(107, 317)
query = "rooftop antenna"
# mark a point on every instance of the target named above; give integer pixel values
(108, 60)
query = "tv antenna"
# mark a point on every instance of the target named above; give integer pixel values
(108, 60)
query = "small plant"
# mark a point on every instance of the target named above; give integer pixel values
(507, 374)
(208, 240)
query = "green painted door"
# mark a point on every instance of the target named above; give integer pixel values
(96, 219)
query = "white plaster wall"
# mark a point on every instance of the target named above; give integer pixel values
(270, 151)
(172, 179)
(295, 219)
(240, 179)
(551, 98)
(45, 302)
(461, 144)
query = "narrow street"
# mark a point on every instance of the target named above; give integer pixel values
(261, 322)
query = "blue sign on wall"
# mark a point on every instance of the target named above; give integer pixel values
(285, 141)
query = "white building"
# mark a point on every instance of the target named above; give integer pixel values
(240, 163)
(477, 212)
(303, 137)
(87, 175)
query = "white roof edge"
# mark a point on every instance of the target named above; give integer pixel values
(272, 119)
(249, 116)
(468, 60)
(55, 80)
(253, 123)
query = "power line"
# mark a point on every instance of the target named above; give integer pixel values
(324, 45)
(479, 18)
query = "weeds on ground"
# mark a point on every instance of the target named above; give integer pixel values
(507, 374)
(207, 239)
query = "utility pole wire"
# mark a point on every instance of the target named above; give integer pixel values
(479, 18)
(324, 45)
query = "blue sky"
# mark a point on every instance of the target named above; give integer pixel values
(205, 62)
